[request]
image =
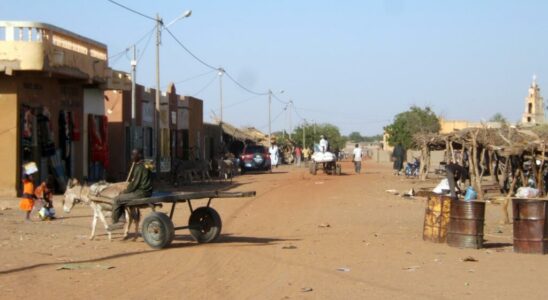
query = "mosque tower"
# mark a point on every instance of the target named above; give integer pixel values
(534, 105)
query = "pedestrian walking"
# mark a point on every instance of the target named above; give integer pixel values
(274, 155)
(27, 203)
(398, 157)
(298, 156)
(357, 158)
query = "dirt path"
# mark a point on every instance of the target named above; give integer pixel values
(374, 238)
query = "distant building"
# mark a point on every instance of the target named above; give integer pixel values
(534, 105)
(448, 126)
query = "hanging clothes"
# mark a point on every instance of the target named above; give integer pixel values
(75, 127)
(45, 135)
(98, 140)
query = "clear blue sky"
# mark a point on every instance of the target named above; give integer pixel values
(351, 63)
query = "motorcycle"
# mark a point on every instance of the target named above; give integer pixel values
(412, 169)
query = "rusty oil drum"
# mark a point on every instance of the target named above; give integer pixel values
(530, 225)
(466, 224)
(436, 218)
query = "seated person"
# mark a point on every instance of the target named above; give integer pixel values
(44, 195)
(140, 186)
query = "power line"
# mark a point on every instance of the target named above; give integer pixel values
(188, 51)
(146, 45)
(205, 87)
(132, 10)
(211, 66)
(280, 100)
(245, 88)
(194, 77)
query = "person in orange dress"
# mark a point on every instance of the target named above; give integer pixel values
(44, 194)
(27, 203)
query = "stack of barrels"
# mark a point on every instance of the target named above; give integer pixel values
(460, 223)
(457, 222)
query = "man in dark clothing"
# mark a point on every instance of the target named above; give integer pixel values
(398, 156)
(456, 173)
(140, 186)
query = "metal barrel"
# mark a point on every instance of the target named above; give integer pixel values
(530, 226)
(466, 224)
(436, 218)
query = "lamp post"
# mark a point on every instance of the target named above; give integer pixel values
(133, 100)
(221, 73)
(159, 25)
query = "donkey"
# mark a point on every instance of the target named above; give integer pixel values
(77, 192)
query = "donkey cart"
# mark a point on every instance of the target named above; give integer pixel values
(326, 161)
(204, 223)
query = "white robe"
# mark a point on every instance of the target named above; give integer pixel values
(324, 144)
(273, 150)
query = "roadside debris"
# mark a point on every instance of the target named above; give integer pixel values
(84, 267)
(393, 192)
(469, 259)
(306, 289)
(324, 225)
(343, 269)
(289, 247)
(411, 269)
(318, 182)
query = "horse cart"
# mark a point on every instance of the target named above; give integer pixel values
(326, 161)
(204, 223)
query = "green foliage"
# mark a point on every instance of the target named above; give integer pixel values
(331, 132)
(498, 117)
(356, 137)
(408, 123)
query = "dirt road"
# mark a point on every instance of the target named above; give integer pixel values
(303, 236)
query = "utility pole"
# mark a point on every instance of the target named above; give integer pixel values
(132, 129)
(304, 134)
(314, 132)
(221, 73)
(270, 118)
(290, 125)
(157, 100)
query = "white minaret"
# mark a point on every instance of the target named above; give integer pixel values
(534, 105)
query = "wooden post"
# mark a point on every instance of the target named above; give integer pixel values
(540, 183)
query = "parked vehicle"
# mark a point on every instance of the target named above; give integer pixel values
(413, 169)
(255, 158)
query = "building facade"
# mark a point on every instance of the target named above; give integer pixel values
(181, 128)
(51, 83)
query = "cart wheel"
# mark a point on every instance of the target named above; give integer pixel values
(338, 169)
(205, 224)
(157, 230)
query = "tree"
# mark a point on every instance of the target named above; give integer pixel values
(355, 137)
(498, 117)
(330, 131)
(408, 123)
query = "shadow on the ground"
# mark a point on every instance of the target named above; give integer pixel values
(187, 242)
(229, 239)
(496, 245)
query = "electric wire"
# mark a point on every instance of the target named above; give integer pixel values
(132, 10)
(205, 87)
(188, 51)
(194, 77)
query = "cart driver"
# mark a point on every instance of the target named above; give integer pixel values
(324, 144)
(140, 186)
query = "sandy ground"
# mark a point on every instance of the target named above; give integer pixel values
(372, 248)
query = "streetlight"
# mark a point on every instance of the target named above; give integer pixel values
(270, 116)
(220, 73)
(159, 25)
